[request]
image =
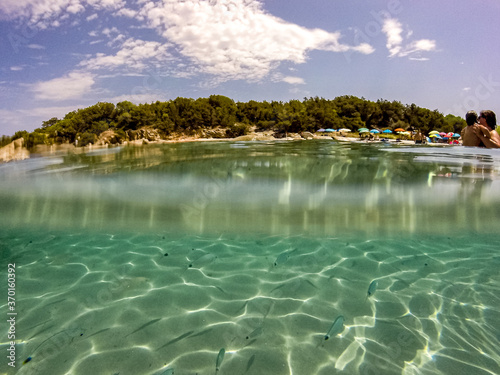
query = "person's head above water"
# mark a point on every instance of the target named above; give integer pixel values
(471, 117)
(490, 119)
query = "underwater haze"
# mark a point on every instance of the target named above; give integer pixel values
(279, 258)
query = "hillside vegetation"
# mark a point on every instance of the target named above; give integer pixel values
(220, 116)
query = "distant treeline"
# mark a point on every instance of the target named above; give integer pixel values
(183, 116)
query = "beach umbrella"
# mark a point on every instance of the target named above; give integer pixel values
(399, 130)
(433, 132)
(450, 134)
(435, 136)
(329, 130)
(363, 130)
(442, 134)
(374, 131)
(456, 135)
(321, 130)
(387, 131)
(344, 130)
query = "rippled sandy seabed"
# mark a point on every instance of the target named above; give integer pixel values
(150, 264)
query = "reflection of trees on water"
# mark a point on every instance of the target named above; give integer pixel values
(279, 185)
(317, 162)
(476, 178)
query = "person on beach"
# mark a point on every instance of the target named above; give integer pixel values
(419, 138)
(486, 129)
(468, 134)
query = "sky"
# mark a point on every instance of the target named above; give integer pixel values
(61, 55)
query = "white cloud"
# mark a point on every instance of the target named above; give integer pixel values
(35, 46)
(71, 86)
(43, 13)
(237, 39)
(418, 58)
(16, 68)
(75, 8)
(393, 29)
(92, 17)
(293, 80)
(397, 45)
(425, 45)
(148, 96)
(127, 13)
(135, 55)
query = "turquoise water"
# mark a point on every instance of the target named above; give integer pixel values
(149, 260)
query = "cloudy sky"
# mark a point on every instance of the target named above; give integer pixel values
(60, 55)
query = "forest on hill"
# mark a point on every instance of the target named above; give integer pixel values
(196, 117)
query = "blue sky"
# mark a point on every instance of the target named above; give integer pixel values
(61, 55)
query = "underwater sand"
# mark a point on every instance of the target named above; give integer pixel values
(94, 303)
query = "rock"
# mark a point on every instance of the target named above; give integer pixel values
(307, 135)
(215, 133)
(146, 133)
(108, 137)
(14, 151)
(254, 137)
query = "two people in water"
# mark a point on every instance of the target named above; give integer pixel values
(480, 130)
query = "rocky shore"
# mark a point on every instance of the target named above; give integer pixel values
(17, 150)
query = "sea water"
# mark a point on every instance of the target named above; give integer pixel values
(150, 260)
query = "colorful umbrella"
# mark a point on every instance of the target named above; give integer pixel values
(329, 130)
(456, 135)
(387, 131)
(434, 132)
(375, 131)
(363, 130)
(344, 130)
(321, 130)
(442, 134)
(399, 130)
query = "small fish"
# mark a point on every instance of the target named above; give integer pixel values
(250, 363)
(203, 260)
(169, 371)
(283, 257)
(220, 358)
(278, 287)
(372, 288)
(47, 339)
(336, 328)
(98, 332)
(201, 333)
(144, 326)
(256, 332)
(179, 338)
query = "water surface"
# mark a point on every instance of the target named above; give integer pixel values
(143, 259)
